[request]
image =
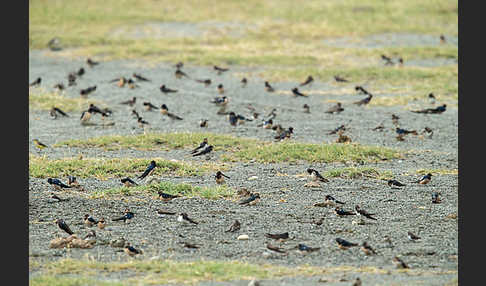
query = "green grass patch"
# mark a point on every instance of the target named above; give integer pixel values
(437, 171)
(358, 172)
(40, 99)
(104, 168)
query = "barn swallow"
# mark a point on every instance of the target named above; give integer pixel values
(39, 144)
(80, 72)
(220, 70)
(179, 74)
(127, 216)
(395, 119)
(395, 183)
(425, 179)
(220, 101)
(134, 112)
(166, 197)
(296, 92)
(88, 90)
(340, 212)
(130, 102)
(361, 212)
(316, 176)
(303, 247)
(253, 198)
(36, 82)
(86, 115)
(331, 199)
(72, 181)
(203, 144)
(412, 236)
(91, 63)
(132, 84)
(142, 123)
(244, 82)
(340, 79)
(57, 184)
(309, 80)
(344, 244)
(285, 134)
(388, 61)
(343, 138)
(278, 129)
(190, 245)
(165, 110)
(220, 88)
(364, 101)
(179, 65)
(54, 111)
(54, 196)
(128, 182)
(380, 127)
(89, 220)
(240, 119)
(186, 219)
(272, 113)
(306, 108)
(428, 131)
(361, 90)
(267, 124)
(431, 98)
(120, 82)
(59, 86)
(276, 248)
(130, 250)
(339, 128)
(335, 109)
(62, 225)
(357, 282)
(101, 223)
(91, 235)
(284, 235)
(54, 44)
(220, 177)
(255, 115)
(442, 39)
(71, 79)
(150, 169)
(268, 87)
(401, 131)
(149, 106)
(162, 213)
(367, 249)
(400, 62)
(164, 89)
(435, 198)
(437, 110)
(233, 120)
(234, 227)
(207, 82)
(139, 77)
(206, 150)
(399, 263)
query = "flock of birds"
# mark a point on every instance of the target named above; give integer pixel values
(204, 148)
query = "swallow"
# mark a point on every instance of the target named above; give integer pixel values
(54, 196)
(340, 79)
(206, 150)
(130, 250)
(335, 109)
(278, 128)
(130, 102)
(54, 111)
(296, 92)
(442, 39)
(89, 220)
(234, 227)
(220, 100)
(380, 127)
(357, 282)
(101, 223)
(184, 218)
(179, 74)
(142, 123)
(303, 247)
(285, 134)
(395, 119)
(149, 171)
(316, 176)
(309, 80)
(343, 138)
(267, 124)
(203, 144)
(339, 128)
(149, 106)
(91, 63)
(80, 72)
(331, 199)
(164, 89)
(128, 182)
(132, 84)
(412, 236)
(54, 44)
(241, 119)
(388, 61)
(179, 65)
(86, 116)
(428, 131)
(400, 62)
(402, 132)
(437, 110)
(134, 112)
(220, 70)
(162, 213)
(284, 235)
(255, 115)
(36, 82)
(220, 88)
(39, 144)
(399, 263)
(268, 87)
(139, 77)
(367, 249)
(252, 199)
(165, 111)
(425, 179)
(276, 248)
(306, 108)
(72, 181)
(364, 101)
(90, 235)
(190, 245)
(344, 244)
(88, 90)
(120, 81)
(220, 177)
(233, 120)
(71, 79)
(340, 212)
(361, 212)
(244, 82)
(435, 198)
(166, 197)
(207, 82)
(431, 98)
(62, 225)
(127, 216)
(395, 183)
(361, 90)
(59, 86)
(272, 114)
(57, 184)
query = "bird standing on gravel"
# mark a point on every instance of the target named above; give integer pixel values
(184, 218)
(165, 89)
(361, 212)
(89, 220)
(399, 263)
(436, 198)
(54, 111)
(335, 109)
(220, 70)
(220, 88)
(425, 179)
(149, 106)
(139, 77)
(219, 177)
(296, 92)
(57, 184)
(179, 74)
(203, 144)
(130, 250)
(207, 82)
(268, 87)
(412, 236)
(244, 82)
(364, 101)
(278, 236)
(91, 63)
(206, 150)
(127, 216)
(234, 227)
(36, 82)
(101, 223)
(303, 247)
(85, 92)
(130, 102)
(344, 244)
(39, 144)
(316, 176)
(62, 225)
(340, 212)
(309, 80)
(306, 108)
(149, 171)
(251, 200)
(367, 249)
(128, 182)
(437, 110)
(332, 201)
(340, 79)
(166, 197)
(165, 111)
(395, 183)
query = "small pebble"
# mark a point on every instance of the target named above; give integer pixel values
(252, 178)
(243, 237)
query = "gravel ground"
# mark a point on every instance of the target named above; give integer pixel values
(286, 204)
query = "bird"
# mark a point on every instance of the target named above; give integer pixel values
(364, 101)
(179, 74)
(165, 89)
(331, 199)
(134, 112)
(308, 80)
(412, 236)
(149, 171)
(275, 248)
(306, 108)
(367, 249)
(71, 79)
(57, 184)
(380, 127)
(344, 244)
(268, 87)
(54, 196)
(335, 109)
(343, 138)
(339, 128)
(254, 197)
(357, 282)
(91, 63)
(220, 70)
(179, 65)
(435, 198)
(437, 110)
(425, 179)
(128, 182)
(203, 144)
(220, 101)
(272, 113)
(206, 150)
(403, 132)
(86, 116)
(442, 39)
(89, 220)
(234, 227)
(130, 102)
(340, 79)
(55, 110)
(88, 90)
(131, 84)
(165, 111)
(130, 250)
(149, 106)
(59, 86)
(72, 181)
(220, 88)
(296, 92)
(400, 62)
(361, 212)
(203, 123)
(90, 235)
(162, 213)
(285, 134)
(284, 235)
(361, 90)
(399, 263)
(388, 61)
(220, 177)
(54, 44)
(80, 72)
(127, 216)
(233, 120)
(63, 225)
(340, 212)
(190, 245)
(142, 123)
(267, 124)
(36, 82)
(303, 247)
(101, 223)
(244, 82)
(166, 197)
(431, 98)
(395, 183)
(207, 82)
(183, 217)
(39, 144)
(316, 176)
